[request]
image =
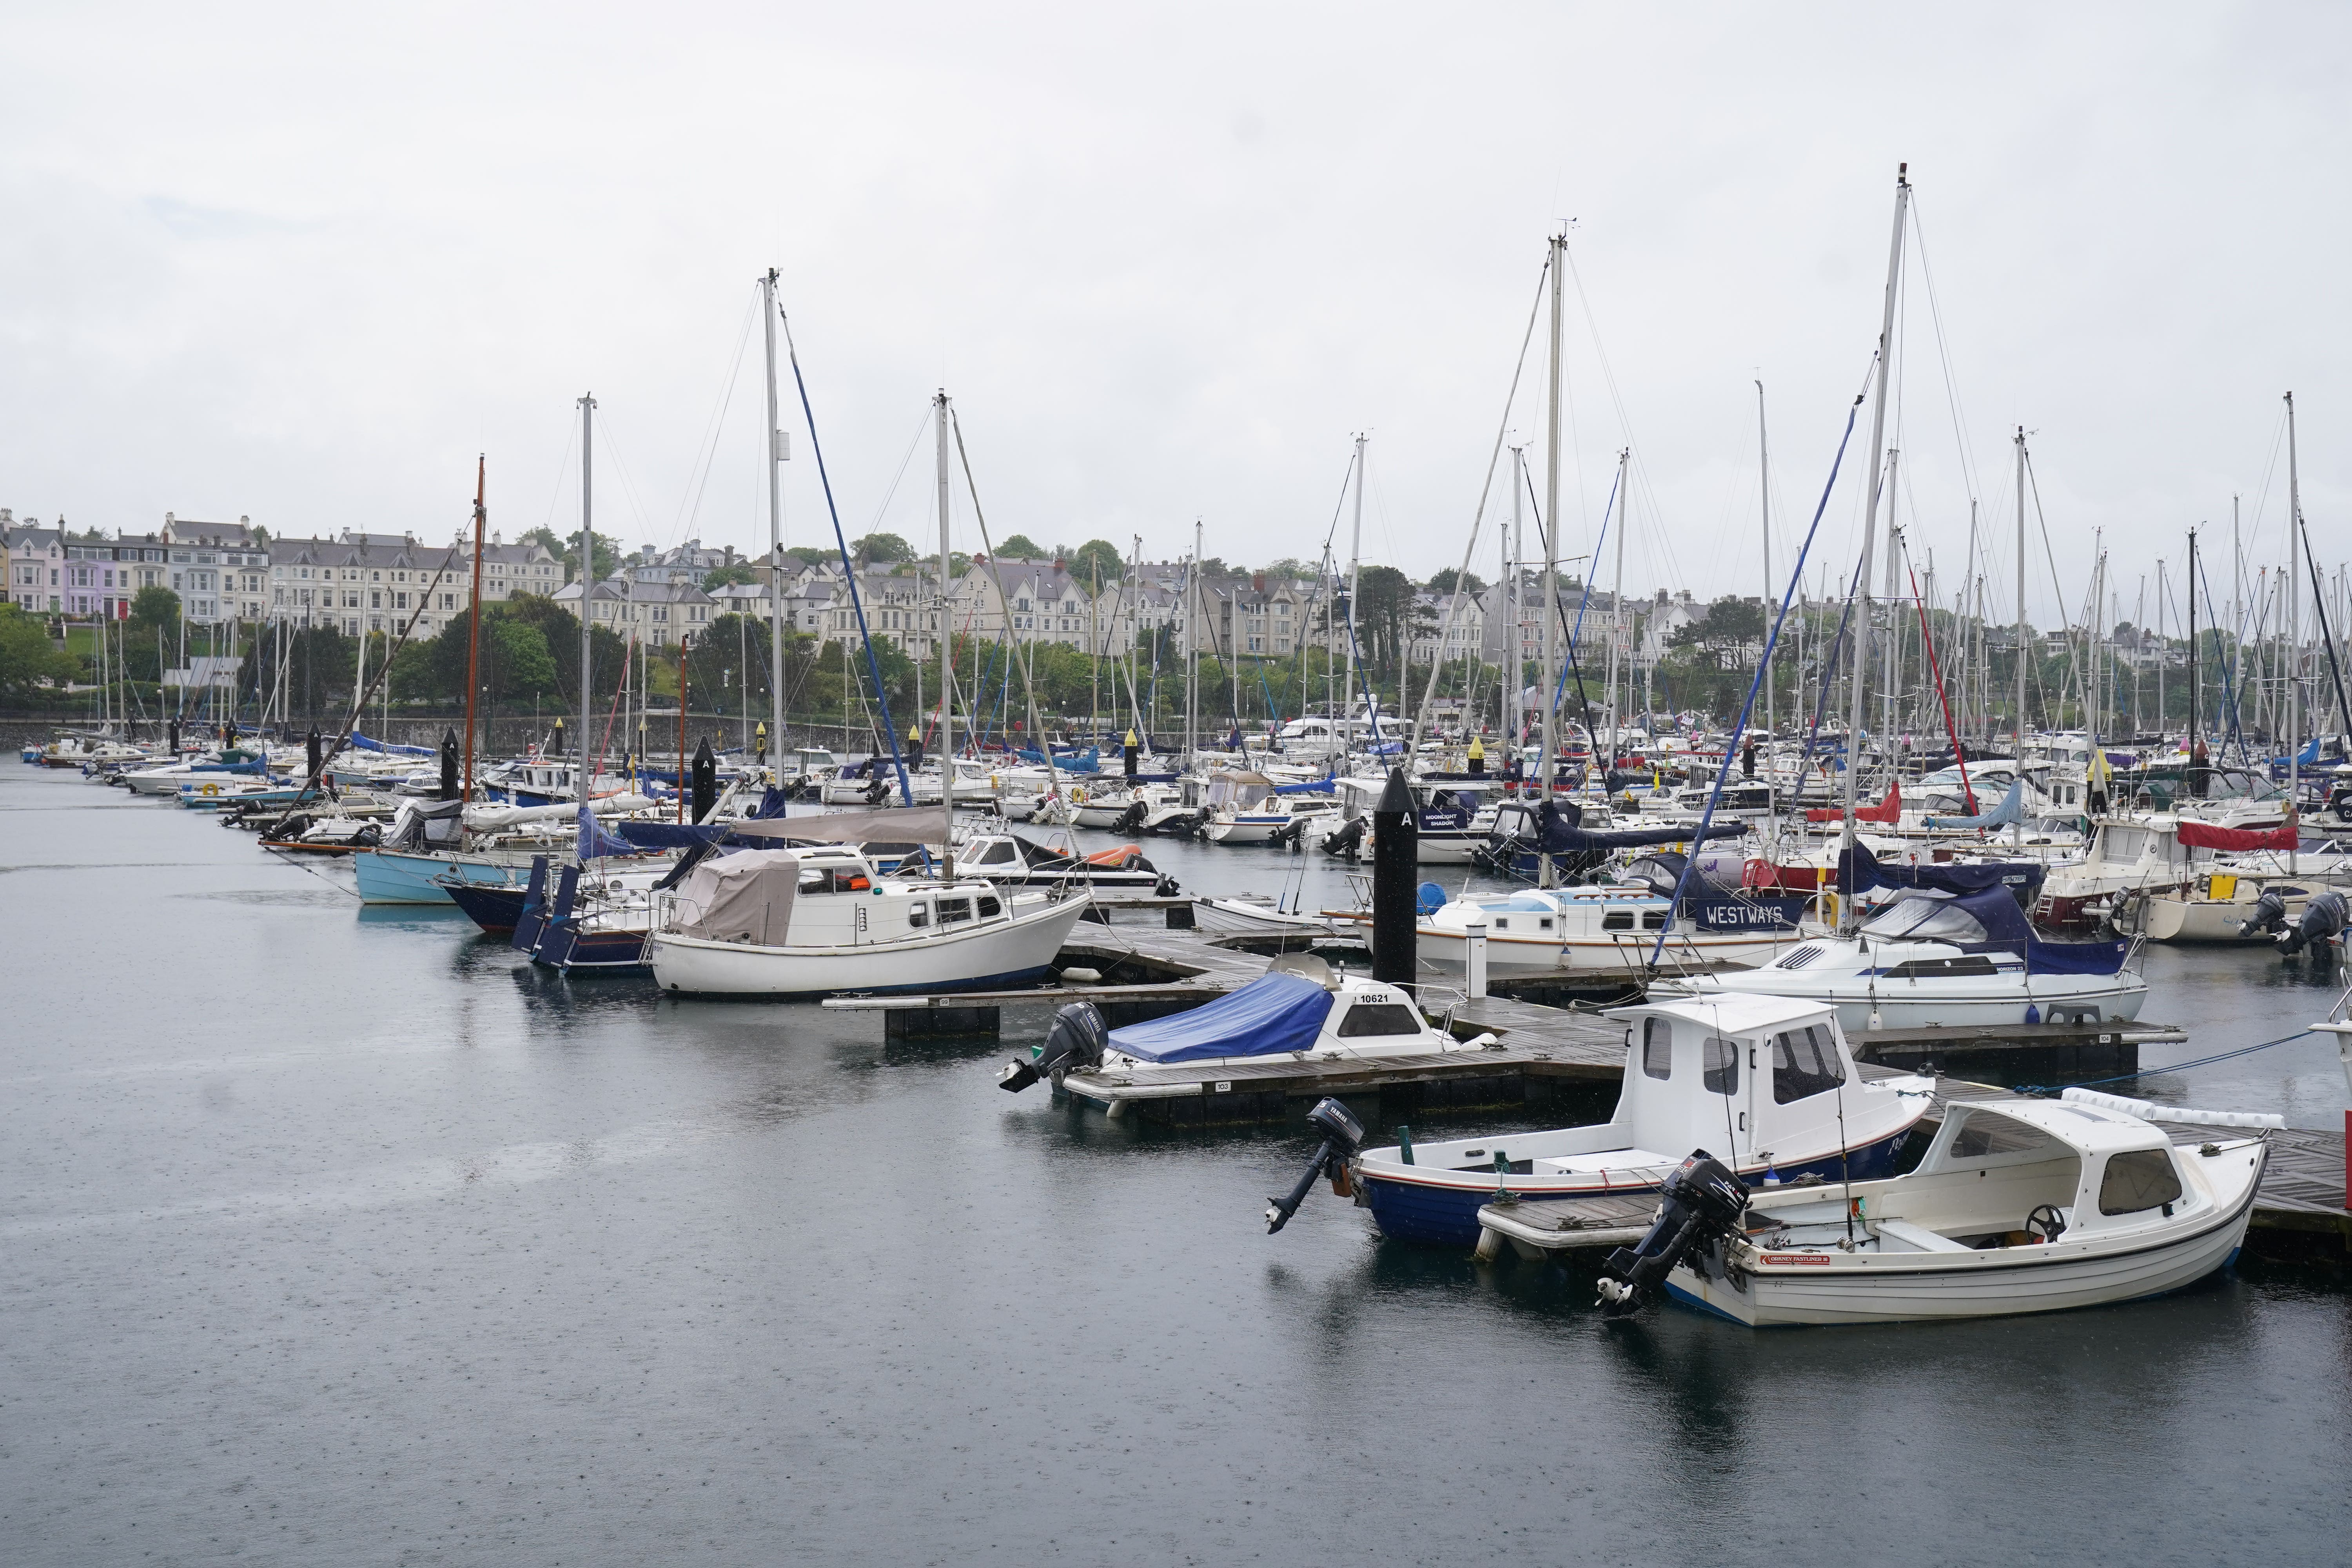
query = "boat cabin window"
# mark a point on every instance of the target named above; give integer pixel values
(1371, 1018)
(998, 853)
(918, 915)
(1986, 1135)
(1916, 919)
(2139, 1179)
(1617, 919)
(1804, 1064)
(954, 909)
(1657, 1047)
(1719, 1067)
(1932, 968)
(832, 879)
(989, 907)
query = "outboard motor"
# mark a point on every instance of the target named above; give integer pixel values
(1349, 841)
(1075, 1040)
(1702, 1202)
(1342, 1136)
(2270, 914)
(2323, 918)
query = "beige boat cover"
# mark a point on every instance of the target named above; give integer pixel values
(743, 896)
(901, 825)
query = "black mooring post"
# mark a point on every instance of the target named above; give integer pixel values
(1396, 842)
(448, 764)
(705, 780)
(1128, 758)
(557, 745)
(310, 749)
(175, 728)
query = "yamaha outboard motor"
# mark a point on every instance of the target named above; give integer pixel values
(1342, 1136)
(2270, 914)
(1702, 1202)
(1349, 841)
(1075, 1040)
(2323, 918)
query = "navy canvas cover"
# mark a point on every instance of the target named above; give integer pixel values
(1270, 1015)
(2009, 931)
(1563, 833)
(1859, 871)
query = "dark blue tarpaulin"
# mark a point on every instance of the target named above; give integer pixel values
(2022, 878)
(1270, 1015)
(2005, 924)
(1563, 834)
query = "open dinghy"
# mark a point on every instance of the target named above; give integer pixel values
(2019, 1206)
(1768, 1078)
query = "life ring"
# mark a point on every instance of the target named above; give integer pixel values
(210, 789)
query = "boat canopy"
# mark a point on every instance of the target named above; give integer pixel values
(2011, 809)
(2197, 835)
(1988, 921)
(900, 825)
(1859, 871)
(743, 896)
(1269, 1016)
(1889, 810)
(1561, 832)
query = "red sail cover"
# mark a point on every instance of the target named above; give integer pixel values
(2205, 835)
(1887, 810)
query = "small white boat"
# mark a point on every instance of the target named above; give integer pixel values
(1770, 1081)
(814, 922)
(1931, 958)
(1561, 930)
(1299, 1009)
(2019, 1206)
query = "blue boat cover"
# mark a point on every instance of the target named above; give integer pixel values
(1323, 785)
(1088, 762)
(2011, 809)
(2022, 878)
(1270, 1015)
(1562, 834)
(594, 842)
(2007, 927)
(364, 744)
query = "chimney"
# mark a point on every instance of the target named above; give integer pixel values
(1257, 582)
(243, 521)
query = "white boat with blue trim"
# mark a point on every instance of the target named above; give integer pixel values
(1767, 1078)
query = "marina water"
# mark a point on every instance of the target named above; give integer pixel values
(345, 1236)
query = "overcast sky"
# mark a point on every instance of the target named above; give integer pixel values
(301, 264)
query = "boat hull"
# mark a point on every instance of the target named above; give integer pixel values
(1004, 954)
(1441, 1208)
(398, 877)
(1913, 1004)
(1510, 957)
(1851, 1288)
(493, 906)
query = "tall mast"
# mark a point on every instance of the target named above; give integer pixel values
(1846, 912)
(1193, 648)
(1515, 673)
(2163, 712)
(2293, 627)
(946, 659)
(1549, 523)
(473, 629)
(2017, 830)
(1355, 577)
(776, 453)
(1890, 694)
(1764, 494)
(2192, 642)
(586, 764)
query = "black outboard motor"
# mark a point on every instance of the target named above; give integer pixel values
(1075, 1040)
(1348, 842)
(2270, 914)
(2323, 918)
(1702, 1202)
(1342, 1136)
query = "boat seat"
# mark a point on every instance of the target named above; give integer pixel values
(1916, 1237)
(1607, 1160)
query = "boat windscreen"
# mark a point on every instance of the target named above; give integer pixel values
(1918, 919)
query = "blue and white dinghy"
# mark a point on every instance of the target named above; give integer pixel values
(1299, 1010)
(1768, 1078)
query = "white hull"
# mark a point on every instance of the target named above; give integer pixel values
(1521, 957)
(1948, 1004)
(1857, 1288)
(989, 953)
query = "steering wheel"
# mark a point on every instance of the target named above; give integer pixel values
(2045, 1223)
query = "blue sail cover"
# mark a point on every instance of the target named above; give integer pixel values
(1270, 1015)
(1563, 834)
(2021, 879)
(1088, 762)
(364, 744)
(594, 842)
(2011, 809)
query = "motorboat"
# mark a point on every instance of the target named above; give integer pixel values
(1767, 1078)
(821, 921)
(2151, 854)
(2019, 1205)
(1258, 914)
(1122, 807)
(1013, 861)
(1300, 1009)
(1936, 959)
(1613, 926)
(1250, 808)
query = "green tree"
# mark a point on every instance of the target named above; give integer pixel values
(1729, 622)
(1021, 547)
(1444, 581)
(881, 549)
(720, 576)
(155, 607)
(1097, 554)
(1290, 569)
(27, 662)
(566, 549)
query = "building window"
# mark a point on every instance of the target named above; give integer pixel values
(448, 601)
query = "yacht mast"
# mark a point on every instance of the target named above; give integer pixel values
(1549, 523)
(2293, 628)
(1515, 672)
(585, 764)
(946, 659)
(1847, 911)
(776, 454)
(1355, 578)
(1764, 494)
(474, 630)
(2016, 829)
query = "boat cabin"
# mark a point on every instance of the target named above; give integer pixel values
(2100, 1170)
(825, 895)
